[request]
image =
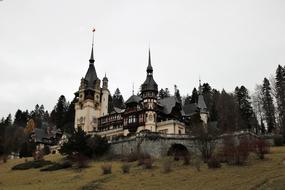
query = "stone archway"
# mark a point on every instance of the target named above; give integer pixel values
(178, 151)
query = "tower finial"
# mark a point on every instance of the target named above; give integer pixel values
(91, 60)
(200, 86)
(133, 89)
(149, 67)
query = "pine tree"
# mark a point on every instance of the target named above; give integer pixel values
(194, 97)
(8, 121)
(268, 106)
(177, 94)
(280, 95)
(187, 100)
(245, 108)
(118, 100)
(59, 112)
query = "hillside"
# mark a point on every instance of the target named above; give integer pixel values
(268, 174)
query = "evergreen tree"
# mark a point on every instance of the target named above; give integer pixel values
(187, 100)
(8, 121)
(280, 95)
(118, 100)
(194, 96)
(59, 112)
(69, 117)
(20, 119)
(177, 94)
(161, 94)
(268, 106)
(228, 112)
(245, 108)
(167, 93)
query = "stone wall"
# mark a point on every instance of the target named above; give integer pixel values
(157, 145)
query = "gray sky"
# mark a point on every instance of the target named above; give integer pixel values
(45, 45)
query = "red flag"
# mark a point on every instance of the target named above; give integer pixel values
(93, 30)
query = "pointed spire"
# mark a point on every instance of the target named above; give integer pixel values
(133, 89)
(149, 67)
(91, 60)
(200, 86)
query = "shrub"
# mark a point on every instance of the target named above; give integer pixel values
(84, 144)
(31, 164)
(166, 165)
(142, 157)
(46, 150)
(126, 168)
(236, 153)
(81, 161)
(186, 159)
(148, 163)
(106, 169)
(197, 162)
(278, 140)
(132, 157)
(261, 148)
(58, 166)
(214, 163)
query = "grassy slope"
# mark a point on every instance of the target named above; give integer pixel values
(269, 174)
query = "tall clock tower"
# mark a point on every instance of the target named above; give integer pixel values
(149, 91)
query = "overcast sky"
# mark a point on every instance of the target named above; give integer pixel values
(45, 45)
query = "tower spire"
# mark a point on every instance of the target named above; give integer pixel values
(91, 60)
(149, 67)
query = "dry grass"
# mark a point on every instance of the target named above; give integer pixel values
(258, 174)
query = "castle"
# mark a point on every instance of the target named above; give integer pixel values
(143, 112)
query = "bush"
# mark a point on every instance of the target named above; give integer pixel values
(58, 166)
(126, 168)
(166, 165)
(84, 144)
(81, 161)
(236, 153)
(186, 159)
(278, 140)
(142, 157)
(214, 163)
(261, 148)
(46, 150)
(197, 162)
(132, 157)
(31, 164)
(148, 163)
(106, 169)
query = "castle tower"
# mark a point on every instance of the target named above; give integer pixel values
(92, 100)
(202, 105)
(105, 97)
(149, 91)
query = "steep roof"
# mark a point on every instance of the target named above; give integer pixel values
(190, 109)
(91, 75)
(201, 103)
(168, 104)
(133, 99)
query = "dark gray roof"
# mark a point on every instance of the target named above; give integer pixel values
(133, 99)
(201, 104)
(190, 109)
(149, 84)
(168, 104)
(91, 75)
